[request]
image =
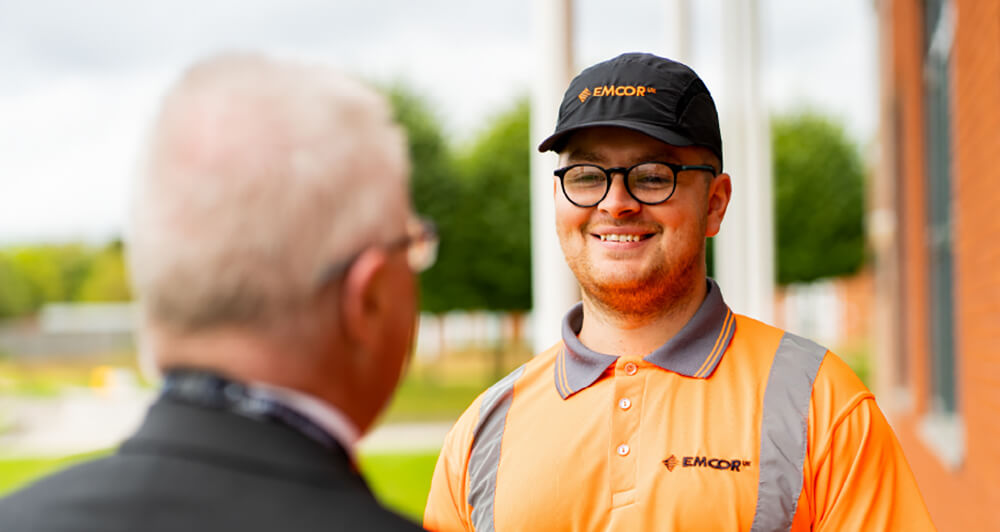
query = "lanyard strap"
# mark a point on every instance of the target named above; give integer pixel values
(209, 390)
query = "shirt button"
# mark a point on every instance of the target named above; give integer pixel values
(624, 403)
(623, 449)
(631, 368)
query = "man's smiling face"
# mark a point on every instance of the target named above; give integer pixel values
(630, 257)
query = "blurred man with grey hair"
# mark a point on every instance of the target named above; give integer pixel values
(273, 250)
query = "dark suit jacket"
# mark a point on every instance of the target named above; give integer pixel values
(189, 468)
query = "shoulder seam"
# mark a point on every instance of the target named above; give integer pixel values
(845, 411)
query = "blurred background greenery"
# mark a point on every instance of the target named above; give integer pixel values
(476, 189)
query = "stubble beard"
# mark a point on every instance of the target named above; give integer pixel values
(662, 291)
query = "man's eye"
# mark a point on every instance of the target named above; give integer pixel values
(654, 180)
(585, 179)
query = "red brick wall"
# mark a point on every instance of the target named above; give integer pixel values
(966, 498)
(977, 250)
(908, 93)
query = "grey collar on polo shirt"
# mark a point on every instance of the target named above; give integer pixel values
(695, 351)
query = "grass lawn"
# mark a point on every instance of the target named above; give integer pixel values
(400, 481)
(442, 389)
(15, 473)
(420, 399)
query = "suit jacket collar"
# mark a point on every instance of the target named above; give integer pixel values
(226, 439)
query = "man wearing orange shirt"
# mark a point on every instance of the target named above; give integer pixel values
(661, 408)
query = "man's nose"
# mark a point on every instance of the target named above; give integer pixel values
(618, 202)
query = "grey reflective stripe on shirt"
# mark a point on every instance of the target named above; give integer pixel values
(484, 459)
(783, 431)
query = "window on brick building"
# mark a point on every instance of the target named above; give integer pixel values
(943, 425)
(939, 197)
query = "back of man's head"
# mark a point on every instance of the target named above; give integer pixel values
(260, 173)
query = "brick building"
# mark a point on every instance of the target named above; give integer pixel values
(935, 228)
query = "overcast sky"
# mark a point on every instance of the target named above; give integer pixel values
(80, 79)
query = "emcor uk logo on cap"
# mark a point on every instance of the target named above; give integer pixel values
(615, 90)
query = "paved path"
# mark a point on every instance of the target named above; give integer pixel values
(82, 420)
(406, 437)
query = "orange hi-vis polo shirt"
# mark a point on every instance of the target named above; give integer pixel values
(731, 425)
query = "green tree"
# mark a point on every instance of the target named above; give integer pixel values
(73, 261)
(15, 290)
(819, 199)
(39, 270)
(33, 275)
(498, 210)
(437, 194)
(479, 200)
(107, 279)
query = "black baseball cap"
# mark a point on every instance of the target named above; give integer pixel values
(643, 92)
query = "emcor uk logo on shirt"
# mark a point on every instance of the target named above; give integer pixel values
(721, 464)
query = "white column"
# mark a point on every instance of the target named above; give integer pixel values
(744, 249)
(883, 233)
(554, 289)
(678, 31)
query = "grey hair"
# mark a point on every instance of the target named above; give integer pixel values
(259, 174)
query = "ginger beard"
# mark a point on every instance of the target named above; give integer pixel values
(649, 289)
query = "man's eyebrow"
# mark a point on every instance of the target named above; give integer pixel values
(583, 155)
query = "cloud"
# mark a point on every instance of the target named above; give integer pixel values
(66, 164)
(79, 81)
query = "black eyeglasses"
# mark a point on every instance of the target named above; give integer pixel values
(650, 183)
(421, 243)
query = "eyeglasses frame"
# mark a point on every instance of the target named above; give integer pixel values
(428, 232)
(624, 171)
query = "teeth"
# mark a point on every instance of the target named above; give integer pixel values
(613, 237)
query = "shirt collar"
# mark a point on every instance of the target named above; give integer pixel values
(695, 351)
(324, 414)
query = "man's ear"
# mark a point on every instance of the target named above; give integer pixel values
(719, 192)
(363, 301)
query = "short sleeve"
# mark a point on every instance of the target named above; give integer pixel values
(857, 477)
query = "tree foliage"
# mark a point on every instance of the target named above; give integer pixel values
(438, 194)
(31, 276)
(16, 296)
(479, 199)
(497, 172)
(107, 279)
(477, 195)
(819, 199)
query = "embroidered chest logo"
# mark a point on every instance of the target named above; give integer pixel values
(732, 464)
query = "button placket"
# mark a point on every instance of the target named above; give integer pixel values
(624, 440)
